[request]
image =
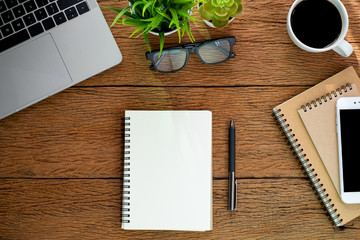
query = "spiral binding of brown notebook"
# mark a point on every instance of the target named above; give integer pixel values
(302, 144)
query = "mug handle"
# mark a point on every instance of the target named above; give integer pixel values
(344, 48)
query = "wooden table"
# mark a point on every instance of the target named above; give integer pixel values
(61, 160)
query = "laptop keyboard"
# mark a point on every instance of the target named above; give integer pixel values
(21, 20)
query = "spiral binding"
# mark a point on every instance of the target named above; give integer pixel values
(126, 178)
(307, 167)
(326, 97)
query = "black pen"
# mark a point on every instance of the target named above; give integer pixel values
(232, 178)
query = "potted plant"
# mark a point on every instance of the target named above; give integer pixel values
(218, 13)
(158, 17)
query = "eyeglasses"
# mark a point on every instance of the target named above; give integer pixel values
(209, 51)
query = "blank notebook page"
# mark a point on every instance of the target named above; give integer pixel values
(170, 171)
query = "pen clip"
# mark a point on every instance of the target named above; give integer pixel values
(235, 195)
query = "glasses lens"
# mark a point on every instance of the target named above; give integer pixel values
(170, 60)
(215, 52)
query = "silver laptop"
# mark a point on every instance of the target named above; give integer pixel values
(49, 45)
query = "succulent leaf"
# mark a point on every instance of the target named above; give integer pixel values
(229, 3)
(238, 11)
(206, 15)
(221, 18)
(232, 9)
(220, 24)
(208, 8)
(221, 12)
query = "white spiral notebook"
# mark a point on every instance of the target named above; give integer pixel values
(168, 171)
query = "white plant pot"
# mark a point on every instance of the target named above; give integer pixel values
(212, 25)
(209, 23)
(165, 33)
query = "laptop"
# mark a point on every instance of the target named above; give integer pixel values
(47, 46)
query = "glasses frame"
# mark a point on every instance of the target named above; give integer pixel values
(191, 48)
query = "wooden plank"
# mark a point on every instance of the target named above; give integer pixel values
(255, 64)
(78, 133)
(90, 209)
(265, 53)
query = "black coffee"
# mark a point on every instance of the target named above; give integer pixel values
(316, 23)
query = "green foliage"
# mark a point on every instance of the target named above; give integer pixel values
(219, 12)
(158, 16)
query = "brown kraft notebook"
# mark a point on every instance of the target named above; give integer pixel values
(289, 118)
(319, 118)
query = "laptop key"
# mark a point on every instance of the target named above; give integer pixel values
(63, 4)
(35, 29)
(19, 11)
(30, 6)
(72, 15)
(11, 3)
(40, 14)
(41, 3)
(52, 9)
(60, 18)
(6, 30)
(29, 19)
(14, 40)
(48, 23)
(2, 6)
(82, 8)
(70, 11)
(7, 16)
(18, 24)
(1, 22)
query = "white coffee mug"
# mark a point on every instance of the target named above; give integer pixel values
(340, 46)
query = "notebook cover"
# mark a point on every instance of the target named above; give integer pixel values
(167, 171)
(292, 125)
(320, 123)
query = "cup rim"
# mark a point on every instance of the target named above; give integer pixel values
(344, 28)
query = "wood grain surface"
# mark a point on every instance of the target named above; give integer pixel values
(61, 159)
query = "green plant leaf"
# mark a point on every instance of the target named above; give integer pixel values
(175, 20)
(163, 13)
(148, 4)
(182, 1)
(133, 22)
(136, 31)
(186, 15)
(135, 5)
(153, 24)
(162, 41)
(146, 38)
(120, 13)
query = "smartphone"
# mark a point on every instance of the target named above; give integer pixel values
(348, 132)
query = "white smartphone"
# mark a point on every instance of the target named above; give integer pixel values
(348, 132)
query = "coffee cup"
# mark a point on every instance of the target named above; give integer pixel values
(319, 26)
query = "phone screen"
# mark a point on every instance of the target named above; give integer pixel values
(350, 133)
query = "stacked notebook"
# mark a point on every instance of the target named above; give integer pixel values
(309, 122)
(168, 170)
